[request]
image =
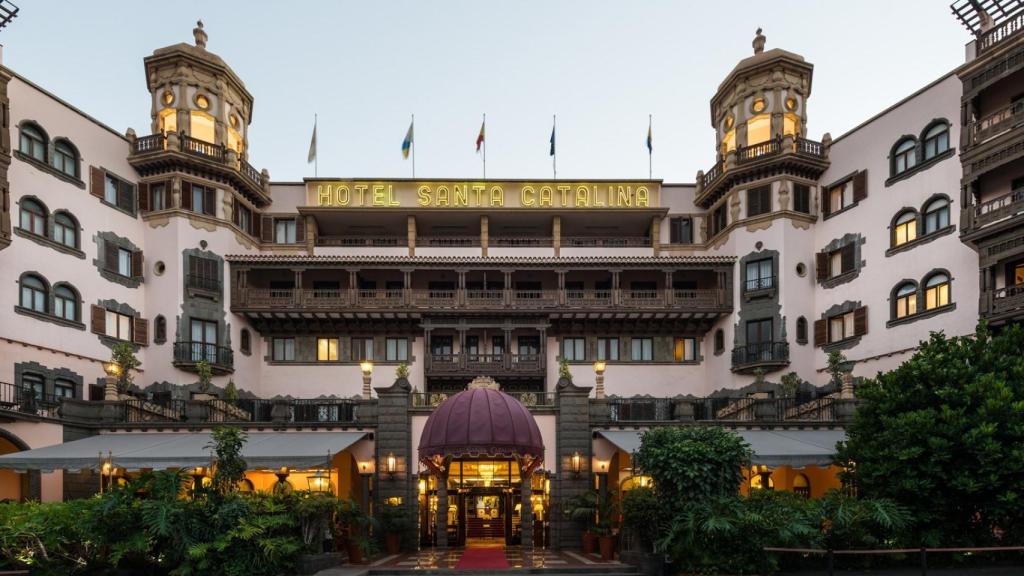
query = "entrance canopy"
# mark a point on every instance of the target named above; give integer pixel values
(135, 451)
(773, 448)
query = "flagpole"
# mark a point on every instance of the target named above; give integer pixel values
(484, 129)
(412, 144)
(650, 149)
(316, 161)
(554, 146)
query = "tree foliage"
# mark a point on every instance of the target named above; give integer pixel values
(694, 463)
(227, 443)
(123, 354)
(943, 434)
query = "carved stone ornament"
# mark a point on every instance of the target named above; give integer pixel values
(758, 43)
(200, 34)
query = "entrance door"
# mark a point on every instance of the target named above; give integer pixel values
(485, 517)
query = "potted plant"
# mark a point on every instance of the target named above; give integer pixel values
(350, 519)
(394, 521)
(123, 354)
(205, 379)
(607, 509)
(582, 508)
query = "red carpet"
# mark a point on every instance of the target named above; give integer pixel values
(483, 559)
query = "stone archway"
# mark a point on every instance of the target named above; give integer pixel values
(15, 486)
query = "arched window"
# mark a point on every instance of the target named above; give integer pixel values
(801, 330)
(936, 140)
(904, 156)
(936, 215)
(160, 335)
(65, 229)
(33, 141)
(936, 291)
(65, 157)
(65, 302)
(802, 486)
(33, 217)
(33, 293)
(246, 341)
(904, 228)
(906, 300)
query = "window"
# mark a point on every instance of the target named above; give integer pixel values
(759, 129)
(204, 200)
(362, 349)
(840, 327)
(118, 325)
(801, 330)
(905, 229)
(246, 344)
(685, 349)
(284, 231)
(204, 340)
(719, 341)
(201, 124)
(33, 217)
(243, 217)
(759, 200)
(642, 350)
(284, 350)
(802, 486)
(906, 300)
(837, 262)
(396, 349)
(719, 220)
(203, 273)
(34, 383)
(326, 349)
(936, 291)
(65, 158)
(759, 332)
(118, 193)
(681, 230)
(759, 275)
(529, 345)
(498, 345)
(608, 349)
(840, 197)
(65, 230)
(936, 140)
(33, 142)
(160, 335)
(33, 293)
(158, 197)
(63, 388)
(903, 157)
(65, 303)
(441, 345)
(124, 262)
(936, 215)
(802, 198)
(574, 349)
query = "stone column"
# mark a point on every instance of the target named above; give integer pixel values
(616, 297)
(669, 291)
(441, 519)
(526, 513)
(556, 235)
(573, 435)
(394, 436)
(411, 234)
(508, 287)
(561, 287)
(407, 286)
(656, 235)
(297, 295)
(484, 235)
(353, 287)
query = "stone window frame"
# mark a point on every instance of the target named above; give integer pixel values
(835, 245)
(50, 376)
(245, 342)
(159, 329)
(921, 164)
(719, 342)
(920, 287)
(46, 165)
(138, 322)
(801, 330)
(48, 224)
(836, 310)
(922, 237)
(100, 239)
(193, 291)
(76, 158)
(48, 314)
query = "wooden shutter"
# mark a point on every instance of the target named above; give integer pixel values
(673, 230)
(110, 255)
(209, 201)
(820, 332)
(300, 229)
(235, 218)
(860, 186)
(137, 264)
(860, 321)
(267, 228)
(826, 206)
(125, 191)
(140, 331)
(99, 320)
(821, 266)
(847, 255)
(186, 194)
(96, 178)
(255, 221)
(143, 197)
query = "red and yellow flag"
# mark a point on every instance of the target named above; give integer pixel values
(480, 137)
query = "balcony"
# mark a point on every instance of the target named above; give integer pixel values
(756, 286)
(993, 71)
(187, 354)
(1006, 29)
(803, 154)
(995, 124)
(765, 355)
(724, 410)
(357, 241)
(605, 242)
(201, 413)
(157, 151)
(27, 402)
(203, 283)
(428, 400)
(1002, 304)
(485, 364)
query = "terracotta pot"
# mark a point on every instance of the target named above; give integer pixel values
(393, 543)
(589, 542)
(607, 544)
(355, 555)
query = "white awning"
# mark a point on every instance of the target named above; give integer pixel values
(157, 450)
(773, 448)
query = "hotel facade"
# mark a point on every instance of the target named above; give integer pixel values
(666, 303)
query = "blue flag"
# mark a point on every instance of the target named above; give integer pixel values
(552, 153)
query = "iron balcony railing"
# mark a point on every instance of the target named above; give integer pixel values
(188, 352)
(760, 353)
(29, 401)
(756, 284)
(831, 408)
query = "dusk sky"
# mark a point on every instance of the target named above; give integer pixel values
(602, 67)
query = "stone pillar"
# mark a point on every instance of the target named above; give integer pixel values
(441, 519)
(407, 286)
(556, 235)
(616, 297)
(460, 294)
(561, 287)
(297, 294)
(394, 436)
(411, 234)
(484, 235)
(508, 289)
(573, 435)
(353, 287)
(669, 291)
(656, 235)
(526, 513)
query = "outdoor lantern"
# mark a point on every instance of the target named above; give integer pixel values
(423, 486)
(113, 369)
(319, 481)
(282, 474)
(366, 366)
(391, 464)
(576, 463)
(599, 367)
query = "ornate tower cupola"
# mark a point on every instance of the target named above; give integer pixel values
(760, 115)
(200, 116)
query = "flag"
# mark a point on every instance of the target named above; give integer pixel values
(312, 146)
(552, 152)
(407, 143)
(650, 140)
(480, 137)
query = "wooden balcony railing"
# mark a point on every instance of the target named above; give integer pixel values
(605, 242)
(426, 298)
(999, 207)
(485, 364)
(1005, 300)
(354, 241)
(520, 241)
(996, 123)
(724, 409)
(1007, 28)
(1002, 67)
(448, 241)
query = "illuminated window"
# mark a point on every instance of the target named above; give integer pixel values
(904, 156)
(759, 105)
(906, 300)
(327, 349)
(234, 140)
(759, 129)
(1018, 274)
(791, 124)
(685, 349)
(936, 291)
(168, 97)
(202, 126)
(802, 486)
(729, 142)
(791, 103)
(202, 102)
(906, 228)
(840, 197)
(168, 120)
(762, 481)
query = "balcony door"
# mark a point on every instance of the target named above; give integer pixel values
(759, 340)
(204, 340)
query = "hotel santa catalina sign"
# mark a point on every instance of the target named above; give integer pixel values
(526, 194)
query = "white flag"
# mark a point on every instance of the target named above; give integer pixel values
(312, 146)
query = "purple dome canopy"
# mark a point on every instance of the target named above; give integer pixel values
(481, 422)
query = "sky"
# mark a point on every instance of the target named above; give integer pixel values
(601, 66)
